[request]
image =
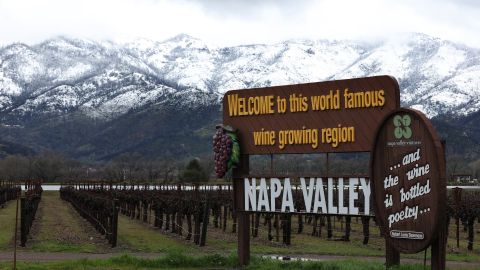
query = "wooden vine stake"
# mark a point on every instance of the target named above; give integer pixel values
(409, 186)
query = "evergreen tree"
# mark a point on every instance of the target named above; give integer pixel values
(194, 172)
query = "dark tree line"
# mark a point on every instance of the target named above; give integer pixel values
(135, 168)
(52, 167)
(46, 167)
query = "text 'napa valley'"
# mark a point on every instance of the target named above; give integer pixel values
(318, 195)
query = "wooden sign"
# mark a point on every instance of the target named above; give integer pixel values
(323, 117)
(408, 180)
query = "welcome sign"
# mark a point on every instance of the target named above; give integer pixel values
(408, 178)
(407, 160)
(332, 116)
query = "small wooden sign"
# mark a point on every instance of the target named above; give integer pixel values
(408, 181)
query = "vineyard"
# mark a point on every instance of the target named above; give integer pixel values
(189, 210)
(29, 205)
(8, 191)
(201, 219)
(464, 208)
(100, 211)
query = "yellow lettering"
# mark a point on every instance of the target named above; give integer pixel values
(364, 99)
(238, 106)
(330, 101)
(232, 105)
(381, 98)
(335, 136)
(298, 137)
(241, 107)
(264, 137)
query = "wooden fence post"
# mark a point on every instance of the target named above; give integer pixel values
(23, 222)
(203, 237)
(114, 228)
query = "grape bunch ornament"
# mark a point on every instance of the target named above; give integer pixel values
(226, 150)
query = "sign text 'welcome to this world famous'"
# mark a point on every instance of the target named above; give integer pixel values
(332, 116)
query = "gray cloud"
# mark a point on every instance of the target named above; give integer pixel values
(251, 8)
(229, 22)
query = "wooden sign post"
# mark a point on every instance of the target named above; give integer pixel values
(243, 218)
(324, 117)
(409, 186)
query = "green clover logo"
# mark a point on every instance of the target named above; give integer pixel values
(402, 126)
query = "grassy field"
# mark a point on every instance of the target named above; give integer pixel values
(135, 236)
(58, 228)
(225, 242)
(7, 225)
(306, 244)
(179, 261)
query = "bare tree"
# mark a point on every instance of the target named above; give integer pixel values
(48, 166)
(456, 164)
(16, 167)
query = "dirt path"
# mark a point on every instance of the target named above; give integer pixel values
(58, 227)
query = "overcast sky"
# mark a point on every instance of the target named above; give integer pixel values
(230, 22)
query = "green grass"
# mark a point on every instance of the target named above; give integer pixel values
(264, 264)
(134, 235)
(57, 228)
(139, 236)
(180, 261)
(55, 246)
(7, 225)
(306, 244)
(301, 245)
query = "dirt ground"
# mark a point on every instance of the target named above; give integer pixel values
(58, 227)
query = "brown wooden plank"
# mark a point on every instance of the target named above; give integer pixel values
(365, 120)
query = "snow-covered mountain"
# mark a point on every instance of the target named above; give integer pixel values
(105, 80)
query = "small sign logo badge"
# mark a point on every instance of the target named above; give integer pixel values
(402, 126)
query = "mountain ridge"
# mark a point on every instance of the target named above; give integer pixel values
(102, 85)
(435, 68)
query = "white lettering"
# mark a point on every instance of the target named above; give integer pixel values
(341, 208)
(352, 196)
(307, 194)
(275, 191)
(287, 199)
(319, 197)
(406, 213)
(366, 194)
(263, 196)
(332, 209)
(250, 195)
(415, 191)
